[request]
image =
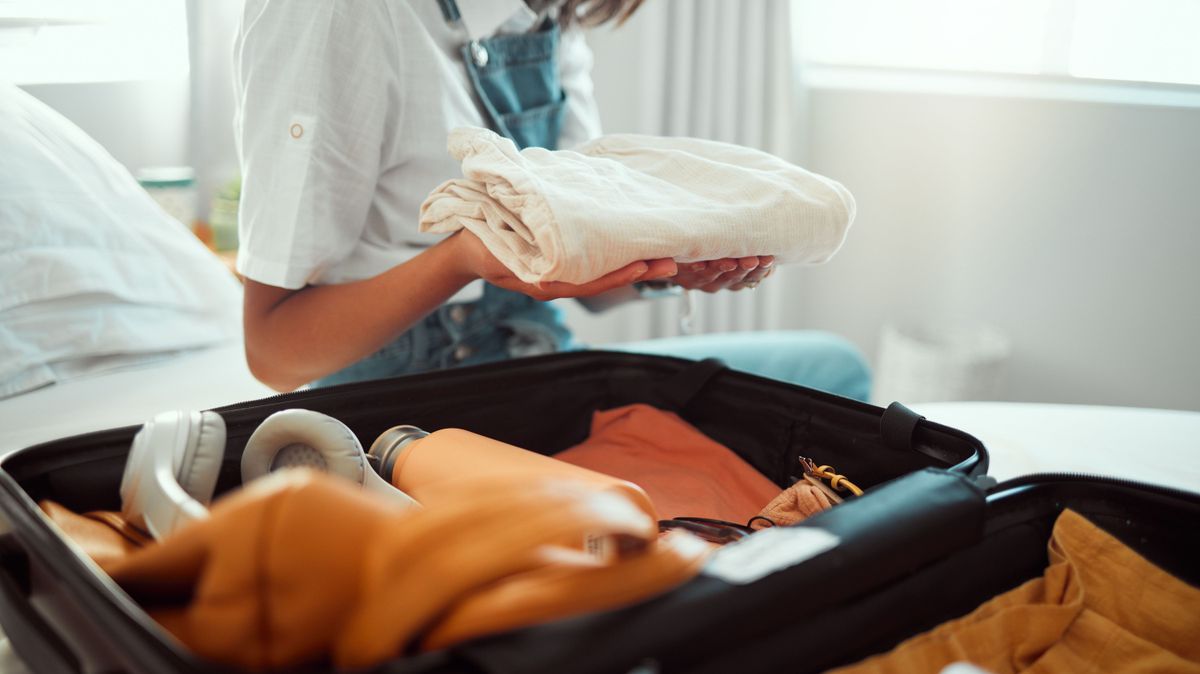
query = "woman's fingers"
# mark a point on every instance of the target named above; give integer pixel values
(708, 276)
(748, 263)
(725, 273)
(637, 271)
(660, 269)
(694, 275)
(755, 277)
(742, 267)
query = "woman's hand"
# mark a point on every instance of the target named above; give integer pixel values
(476, 261)
(724, 274)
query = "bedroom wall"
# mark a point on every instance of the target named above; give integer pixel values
(140, 123)
(1071, 226)
(183, 121)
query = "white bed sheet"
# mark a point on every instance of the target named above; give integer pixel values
(1146, 445)
(198, 379)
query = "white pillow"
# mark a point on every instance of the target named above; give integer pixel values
(93, 274)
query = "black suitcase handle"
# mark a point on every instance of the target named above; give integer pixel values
(32, 638)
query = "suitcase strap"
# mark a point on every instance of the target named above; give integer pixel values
(896, 426)
(683, 387)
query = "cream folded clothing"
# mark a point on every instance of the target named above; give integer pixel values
(575, 215)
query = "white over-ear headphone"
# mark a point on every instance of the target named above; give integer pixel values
(305, 438)
(172, 469)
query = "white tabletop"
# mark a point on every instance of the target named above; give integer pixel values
(1148, 445)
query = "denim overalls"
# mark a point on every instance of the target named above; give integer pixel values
(516, 80)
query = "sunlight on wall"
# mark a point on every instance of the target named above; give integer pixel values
(1133, 40)
(1137, 40)
(62, 41)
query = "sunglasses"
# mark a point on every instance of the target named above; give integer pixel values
(712, 530)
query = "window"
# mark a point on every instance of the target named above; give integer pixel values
(1131, 40)
(46, 41)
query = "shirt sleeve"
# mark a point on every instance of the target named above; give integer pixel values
(581, 119)
(316, 96)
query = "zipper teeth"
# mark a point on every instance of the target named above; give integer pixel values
(1040, 478)
(248, 405)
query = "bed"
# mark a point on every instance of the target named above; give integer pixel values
(110, 310)
(198, 379)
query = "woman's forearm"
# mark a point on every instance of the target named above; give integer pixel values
(296, 336)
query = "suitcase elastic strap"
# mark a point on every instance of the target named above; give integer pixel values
(679, 391)
(896, 426)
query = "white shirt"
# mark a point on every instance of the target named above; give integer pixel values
(343, 113)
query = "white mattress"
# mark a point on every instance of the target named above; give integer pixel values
(193, 380)
(1146, 445)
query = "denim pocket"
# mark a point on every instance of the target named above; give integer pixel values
(535, 127)
(534, 338)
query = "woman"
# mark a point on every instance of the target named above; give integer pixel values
(343, 114)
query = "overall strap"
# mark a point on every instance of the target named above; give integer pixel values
(449, 10)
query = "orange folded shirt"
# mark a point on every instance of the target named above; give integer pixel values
(1099, 607)
(685, 473)
(301, 567)
(102, 535)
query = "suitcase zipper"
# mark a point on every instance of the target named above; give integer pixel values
(1034, 479)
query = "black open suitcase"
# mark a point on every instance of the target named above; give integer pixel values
(923, 545)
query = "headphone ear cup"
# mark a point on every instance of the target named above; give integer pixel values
(171, 447)
(304, 438)
(200, 464)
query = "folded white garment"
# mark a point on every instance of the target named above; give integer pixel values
(575, 215)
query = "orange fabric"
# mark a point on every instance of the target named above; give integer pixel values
(299, 567)
(103, 536)
(685, 473)
(452, 455)
(1099, 607)
(798, 502)
(590, 586)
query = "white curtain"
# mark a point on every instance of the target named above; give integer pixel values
(710, 69)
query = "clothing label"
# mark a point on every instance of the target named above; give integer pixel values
(599, 546)
(768, 551)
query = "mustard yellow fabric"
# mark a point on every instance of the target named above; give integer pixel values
(102, 535)
(300, 567)
(795, 504)
(1099, 607)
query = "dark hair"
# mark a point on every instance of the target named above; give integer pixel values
(589, 12)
